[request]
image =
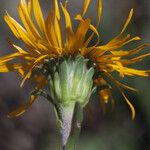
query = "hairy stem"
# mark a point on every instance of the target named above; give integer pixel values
(76, 128)
(71, 117)
(67, 116)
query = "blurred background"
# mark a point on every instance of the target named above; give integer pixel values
(36, 129)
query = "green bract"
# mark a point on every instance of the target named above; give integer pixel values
(71, 81)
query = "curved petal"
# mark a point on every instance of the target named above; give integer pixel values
(70, 38)
(10, 57)
(85, 6)
(19, 111)
(99, 11)
(10, 67)
(38, 15)
(57, 24)
(19, 31)
(127, 21)
(51, 35)
(126, 99)
(28, 75)
(40, 83)
(25, 11)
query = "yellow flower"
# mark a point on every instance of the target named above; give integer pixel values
(43, 40)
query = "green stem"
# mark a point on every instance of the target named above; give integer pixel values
(71, 119)
(76, 128)
(67, 117)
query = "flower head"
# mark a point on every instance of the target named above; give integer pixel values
(44, 42)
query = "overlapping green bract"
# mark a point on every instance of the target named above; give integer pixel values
(72, 81)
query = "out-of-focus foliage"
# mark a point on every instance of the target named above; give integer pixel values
(36, 129)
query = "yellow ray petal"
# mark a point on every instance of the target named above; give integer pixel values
(67, 18)
(94, 30)
(85, 7)
(29, 6)
(69, 30)
(99, 11)
(130, 71)
(57, 24)
(103, 104)
(119, 37)
(123, 53)
(79, 18)
(87, 42)
(66, 3)
(41, 58)
(26, 17)
(119, 40)
(91, 27)
(126, 86)
(12, 27)
(50, 29)
(136, 72)
(9, 57)
(127, 21)
(25, 54)
(20, 50)
(139, 58)
(81, 32)
(19, 111)
(40, 83)
(38, 15)
(126, 99)
(130, 105)
(28, 75)
(138, 49)
(21, 32)
(33, 52)
(25, 23)
(56, 9)
(21, 72)
(105, 95)
(10, 67)
(116, 44)
(137, 38)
